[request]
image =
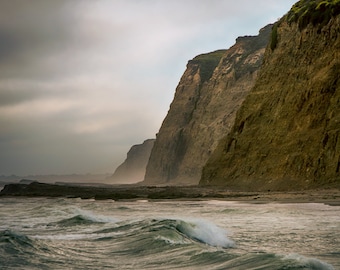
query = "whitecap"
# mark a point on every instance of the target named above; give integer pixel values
(206, 232)
(311, 263)
(142, 201)
(172, 241)
(67, 237)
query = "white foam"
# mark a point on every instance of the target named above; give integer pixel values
(312, 263)
(68, 237)
(206, 232)
(221, 202)
(172, 241)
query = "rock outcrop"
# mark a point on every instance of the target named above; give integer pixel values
(132, 170)
(203, 110)
(286, 135)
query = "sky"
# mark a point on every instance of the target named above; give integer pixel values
(81, 81)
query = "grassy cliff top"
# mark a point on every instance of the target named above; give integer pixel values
(317, 12)
(212, 56)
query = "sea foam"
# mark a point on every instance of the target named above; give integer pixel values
(311, 263)
(206, 232)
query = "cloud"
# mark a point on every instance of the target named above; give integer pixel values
(83, 80)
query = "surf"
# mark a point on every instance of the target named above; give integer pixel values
(57, 234)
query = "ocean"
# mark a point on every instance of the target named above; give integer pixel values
(64, 233)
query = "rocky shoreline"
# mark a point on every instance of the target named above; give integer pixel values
(134, 192)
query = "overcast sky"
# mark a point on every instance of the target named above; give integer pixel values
(81, 81)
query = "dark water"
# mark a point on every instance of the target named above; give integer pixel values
(84, 234)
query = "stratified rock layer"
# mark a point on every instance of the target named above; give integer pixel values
(203, 110)
(286, 135)
(132, 170)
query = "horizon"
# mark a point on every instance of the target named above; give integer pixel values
(83, 81)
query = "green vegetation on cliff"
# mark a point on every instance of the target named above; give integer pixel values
(317, 12)
(286, 134)
(274, 38)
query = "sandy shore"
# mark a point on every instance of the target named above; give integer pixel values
(129, 192)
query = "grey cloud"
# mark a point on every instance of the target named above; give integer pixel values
(31, 34)
(13, 92)
(53, 146)
(83, 80)
(10, 97)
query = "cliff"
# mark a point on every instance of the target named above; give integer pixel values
(286, 135)
(132, 170)
(207, 97)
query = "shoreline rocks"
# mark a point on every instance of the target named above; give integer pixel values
(135, 192)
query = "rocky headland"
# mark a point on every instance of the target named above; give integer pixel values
(132, 170)
(259, 122)
(134, 192)
(286, 135)
(203, 110)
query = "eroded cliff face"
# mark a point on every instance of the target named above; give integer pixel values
(132, 170)
(286, 135)
(203, 110)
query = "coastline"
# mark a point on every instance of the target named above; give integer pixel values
(135, 192)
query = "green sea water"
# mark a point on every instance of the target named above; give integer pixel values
(45, 233)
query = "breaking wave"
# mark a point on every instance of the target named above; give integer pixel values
(308, 263)
(85, 239)
(175, 231)
(205, 232)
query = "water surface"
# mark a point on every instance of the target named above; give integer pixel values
(44, 233)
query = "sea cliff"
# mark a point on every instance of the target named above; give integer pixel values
(203, 110)
(132, 170)
(286, 135)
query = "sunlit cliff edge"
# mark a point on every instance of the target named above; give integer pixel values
(286, 134)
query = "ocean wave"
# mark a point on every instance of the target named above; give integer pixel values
(186, 236)
(11, 245)
(18, 250)
(154, 243)
(73, 221)
(83, 217)
(14, 238)
(205, 232)
(308, 263)
(257, 260)
(172, 231)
